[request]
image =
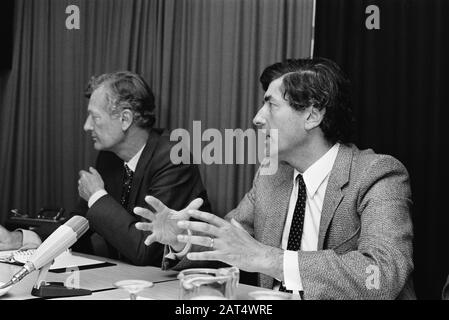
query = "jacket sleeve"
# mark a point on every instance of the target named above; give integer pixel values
(174, 185)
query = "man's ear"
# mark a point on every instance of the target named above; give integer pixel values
(126, 118)
(314, 118)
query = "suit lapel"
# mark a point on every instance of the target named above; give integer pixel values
(142, 164)
(277, 206)
(112, 172)
(115, 188)
(278, 198)
(334, 193)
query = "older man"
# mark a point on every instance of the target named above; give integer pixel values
(332, 223)
(134, 161)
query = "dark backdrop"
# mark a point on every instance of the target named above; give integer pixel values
(6, 35)
(202, 58)
(400, 100)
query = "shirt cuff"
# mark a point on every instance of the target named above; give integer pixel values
(292, 278)
(97, 195)
(30, 239)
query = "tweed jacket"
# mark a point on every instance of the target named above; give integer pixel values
(365, 233)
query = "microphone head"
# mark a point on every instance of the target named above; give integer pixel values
(78, 224)
(61, 239)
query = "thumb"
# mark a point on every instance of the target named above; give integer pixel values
(150, 239)
(195, 204)
(81, 173)
(93, 171)
(236, 224)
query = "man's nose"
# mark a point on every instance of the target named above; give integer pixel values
(259, 119)
(88, 124)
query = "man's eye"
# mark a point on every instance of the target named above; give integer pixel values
(264, 102)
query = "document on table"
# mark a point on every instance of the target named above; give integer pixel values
(65, 260)
(68, 260)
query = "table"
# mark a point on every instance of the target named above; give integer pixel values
(100, 281)
(168, 290)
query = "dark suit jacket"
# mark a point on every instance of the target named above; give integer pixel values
(156, 175)
(365, 223)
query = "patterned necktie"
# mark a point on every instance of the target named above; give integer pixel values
(295, 235)
(126, 189)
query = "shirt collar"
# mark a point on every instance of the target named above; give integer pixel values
(132, 164)
(318, 171)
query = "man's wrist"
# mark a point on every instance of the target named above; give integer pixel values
(95, 196)
(272, 262)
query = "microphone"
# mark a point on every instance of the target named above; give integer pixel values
(59, 241)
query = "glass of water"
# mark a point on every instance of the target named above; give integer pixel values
(133, 287)
(208, 284)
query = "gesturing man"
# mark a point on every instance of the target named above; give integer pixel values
(332, 223)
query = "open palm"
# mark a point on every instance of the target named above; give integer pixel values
(164, 220)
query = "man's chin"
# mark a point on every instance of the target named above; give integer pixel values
(98, 146)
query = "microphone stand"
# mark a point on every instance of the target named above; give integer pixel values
(45, 289)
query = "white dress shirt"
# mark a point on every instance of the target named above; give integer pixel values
(315, 178)
(132, 165)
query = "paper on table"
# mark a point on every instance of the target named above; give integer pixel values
(63, 261)
(68, 260)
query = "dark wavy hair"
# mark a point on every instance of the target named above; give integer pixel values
(320, 83)
(126, 90)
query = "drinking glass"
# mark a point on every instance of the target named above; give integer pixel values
(269, 295)
(208, 284)
(133, 287)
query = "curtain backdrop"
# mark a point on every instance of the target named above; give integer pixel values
(202, 58)
(399, 83)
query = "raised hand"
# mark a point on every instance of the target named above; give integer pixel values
(164, 220)
(230, 243)
(89, 183)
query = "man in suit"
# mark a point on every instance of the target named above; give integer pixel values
(134, 160)
(332, 223)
